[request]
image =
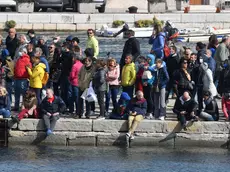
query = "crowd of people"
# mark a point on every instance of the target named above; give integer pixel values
(60, 78)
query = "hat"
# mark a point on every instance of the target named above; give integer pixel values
(69, 38)
(30, 31)
(125, 96)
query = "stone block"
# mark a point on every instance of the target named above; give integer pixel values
(153, 126)
(87, 8)
(216, 127)
(143, 17)
(215, 17)
(193, 18)
(27, 26)
(3, 18)
(61, 18)
(158, 7)
(85, 26)
(129, 18)
(110, 126)
(19, 18)
(38, 26)
(81, 18)
(111, 140)
(101, 18)
(171, 17)
(39, 18)
(2, 26)
(80, 141)
(66, 27)
(226, 25)
(50, 27)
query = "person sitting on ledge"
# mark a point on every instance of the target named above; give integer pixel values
(138, 108)
(120, 112)
(185, 108)
(51, 107)
(211, 111)
(226, 105)
(29, 107)
(4, 103)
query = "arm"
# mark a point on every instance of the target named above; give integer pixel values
(213, 111)
(133, 76)
(72, 73)
(224, 108)
(102, 77)
(95, 47)
(166, 77)
(175, 108)
(151, 39)
(116, 76)
(42, 107)
(161, 44)
(61, 105)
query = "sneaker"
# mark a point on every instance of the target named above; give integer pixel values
(131, 137)
(15, 119)
(49, 132)
(162, 118)
(128, 134)
(148, 116)
(100, 117)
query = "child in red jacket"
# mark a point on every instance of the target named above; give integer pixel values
(226, 105)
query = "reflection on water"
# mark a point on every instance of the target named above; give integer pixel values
(95, 159)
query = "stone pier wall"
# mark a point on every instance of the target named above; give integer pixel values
(77, 22)
(71, 132)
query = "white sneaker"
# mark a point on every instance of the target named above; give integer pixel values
(131, 137)
(128, 134)
(162, 118)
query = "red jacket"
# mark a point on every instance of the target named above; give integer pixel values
(225, 106)
(20, 71)
(73, 78)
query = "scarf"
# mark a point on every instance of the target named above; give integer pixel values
(50, 100)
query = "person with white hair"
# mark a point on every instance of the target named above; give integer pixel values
(12, 42)
(22, 45)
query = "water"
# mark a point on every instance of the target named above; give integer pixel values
(113, 159)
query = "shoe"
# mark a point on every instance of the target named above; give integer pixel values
(15, 119)
(148, 116)
(174, 96)
(128, 134)
(131, 137)
(76, 116)
(49, 132)
(218, 96)
(100, 117)
(184, 127)
(162, 118)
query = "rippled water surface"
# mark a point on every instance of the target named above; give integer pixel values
(111, 159)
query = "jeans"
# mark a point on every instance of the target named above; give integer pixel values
(90, 106)
(65, 89)
(129, 90)
(113, 92)
(148, 96)
(9, 86)
(50, 121)
(20, 88)
(73, 97)
(101, 102)
(159, 103)
(134, 122)
(38, 94)
(206, 116)
(5, 113)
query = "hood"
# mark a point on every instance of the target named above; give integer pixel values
(162, 34)
(152, 57)
(42, 65)
(5, 53)
(125, 96)
(25, 56)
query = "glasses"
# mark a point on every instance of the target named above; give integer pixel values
(90, 33)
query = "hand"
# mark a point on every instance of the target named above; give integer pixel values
(183, 112)
(55, 114)
(27, 66)
(49, 114)
(145, 84)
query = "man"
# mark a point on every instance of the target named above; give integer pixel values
(32, 37)
(30, 50)
(51, 107)
(128, 76)
(210, 61)
(201, 50)
(21, 76)
(42, 44)
(132, 46)
(22, 44)
(92, 42)
(12, 42)
(187, 53)
(75, 43)
(51, 53)
(222, 53)
(192, 62)
(185, 108)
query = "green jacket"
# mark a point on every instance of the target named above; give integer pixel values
(92, 42)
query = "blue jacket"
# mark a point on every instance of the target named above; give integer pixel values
(158, 43)
(151, 64)
(213, 50)
(139, 106)
(212, 64)
(162, 77)
(44, 61)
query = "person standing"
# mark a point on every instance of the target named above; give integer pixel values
(31, 34)
(132, 46)
(22, 44)
(210, 61)
(42, 44)
(12, 42)
(92, 42)
(128, 76)
(201, 51)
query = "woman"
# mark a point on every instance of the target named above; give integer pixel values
(112, 76)
(226, 105)
(4, 103)
(100, 85)
(85, 76)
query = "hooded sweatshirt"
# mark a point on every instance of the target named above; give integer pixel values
(20, 71)
(36, 75)
(158, 43)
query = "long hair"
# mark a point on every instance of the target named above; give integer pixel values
(3, 91)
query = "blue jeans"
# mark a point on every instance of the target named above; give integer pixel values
(207, 117)
(20, 88)
(73, 97)
(113, 92)
(5, 113)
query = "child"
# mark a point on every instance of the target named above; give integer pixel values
(120, 112)
(138, 107)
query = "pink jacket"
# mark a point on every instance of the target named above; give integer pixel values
(113, 75)
(73, 78)
(226, 106)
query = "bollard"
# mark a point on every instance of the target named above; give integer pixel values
(3, 132)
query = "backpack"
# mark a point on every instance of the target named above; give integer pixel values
(45, 78)
(166, 48)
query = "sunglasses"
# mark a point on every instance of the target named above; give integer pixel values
(90, 33)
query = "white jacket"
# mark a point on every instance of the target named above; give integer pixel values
(208, 82)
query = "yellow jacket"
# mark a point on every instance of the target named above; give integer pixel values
(36, 75)
(128, 75)
(92, 42)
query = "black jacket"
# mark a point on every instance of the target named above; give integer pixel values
(172, 63)
(212, 109)
(66, 63)
(132, 46)
(181, 105)
(99, 82)
(11, 45)
(57, 105)
(45, 49)
(180, 80)
(224, 81)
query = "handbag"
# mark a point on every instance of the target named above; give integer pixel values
(91, 96)
(147, 75)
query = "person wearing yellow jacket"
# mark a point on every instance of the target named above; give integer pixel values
(128, 76)
(36, 76)
(92, 42)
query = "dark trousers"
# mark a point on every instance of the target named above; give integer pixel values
(113, 92)
(101, 102)
(65, 89)
(148, 93)
(73, 97)
(20, 88)
(56, 88)
(169, 88)
(184, 118)
(90, 106)
(128, 90)
(38, 94)
(50, 121)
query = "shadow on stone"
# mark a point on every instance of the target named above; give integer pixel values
(227, 144)
(40, 135)
(120, 141)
